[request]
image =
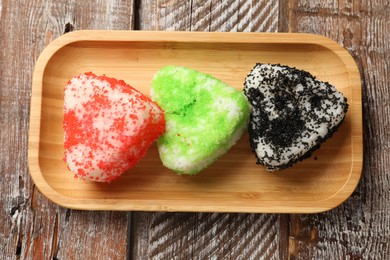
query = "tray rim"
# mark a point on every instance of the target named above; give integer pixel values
(200, 37)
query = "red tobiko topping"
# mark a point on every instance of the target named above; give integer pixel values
(106, 134)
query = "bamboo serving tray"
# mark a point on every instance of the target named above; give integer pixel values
(232, 184)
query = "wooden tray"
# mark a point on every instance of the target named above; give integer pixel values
(234, 183)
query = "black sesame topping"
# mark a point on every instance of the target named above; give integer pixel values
(290, 109)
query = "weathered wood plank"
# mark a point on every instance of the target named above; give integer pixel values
(170, 15)
(205, 235)
(359, 228)
(241, 16)
(31, 226)
(91, 235)
(164, 235)
(208, 15)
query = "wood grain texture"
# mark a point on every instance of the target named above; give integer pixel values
(205, 235)
(91, 235)
(208, 15)
(359, 228)
(241, 16)
(31, 226)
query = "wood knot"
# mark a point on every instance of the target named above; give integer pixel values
(68, 28)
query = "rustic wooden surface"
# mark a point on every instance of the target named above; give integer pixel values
(31, 226)
(34, 228)
(359, 228)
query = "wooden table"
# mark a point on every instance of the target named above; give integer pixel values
(34, 228)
